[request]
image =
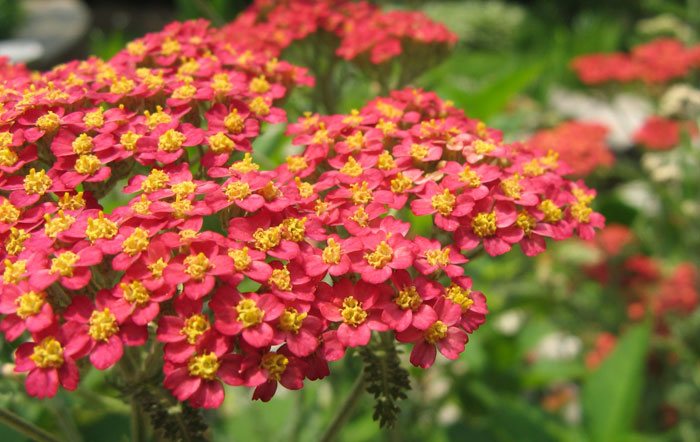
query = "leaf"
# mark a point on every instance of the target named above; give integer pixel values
(611, 394)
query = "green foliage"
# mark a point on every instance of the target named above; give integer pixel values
(10, 17)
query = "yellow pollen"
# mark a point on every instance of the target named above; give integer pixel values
(14, 243)
(187, 234)
(5, 139)
(48, 353)
(270, 192)
(142, 206)
(353, 119)
(184, 188)
(94, 119)
(87, 164)
(237, 190)
(388, 110)
(352, 312)
(381, 256)
(526, 222)
(170, 47)
(401, 183)
(259, 107)
(331, 254)
(248, 313)
(551, 160)
(8, 157)
(234, 123)
(100, 228)
(356, 141)
(436, 332)
(444, 202)
(282, 279)
(137, 242)
(418, 152)
(321, 135)
(360, 216)
(259, 85)
(197, 266)
(195, 326)
(467, 175)
(552, 212)
(581, 212)
(156, 118)
(459, 296)
(184, 92)
(8, 213)
(266, 239)
(37, 183)
(189, 66)
(386, 161)
(129, 140)
(48, 122)
(351, 168)
(171, 140)
(241, 258)
(483, 147)
(64, 263)
(291, 320)
(387, 127)
(14, 272)
(408, 298)
(296, 163)
(136, 48)
(103, 325)
(305, 189)
(30, 303)
(156, 180)
(438, 257)
(135, 293)
(511, 187)
(360, 193)
(293, 229)
(275, 364)
(204, 366)
(221, 84)
(320, 207)
(245, 165)
(533, 168)
(156, 268)
(220, 143)
(484, 224)
(122, 86)
(71, 202)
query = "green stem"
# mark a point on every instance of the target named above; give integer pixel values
(345, 410)
(25, 427)
(138, 423)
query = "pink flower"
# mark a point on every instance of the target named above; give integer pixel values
(382, 254)
(447, 206)
(26, 308)
(252, 316)
(198, 269)
(408, 301)
(432, 257)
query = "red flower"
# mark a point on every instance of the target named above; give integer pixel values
(382, 254)
(659, 133)
(252, 316)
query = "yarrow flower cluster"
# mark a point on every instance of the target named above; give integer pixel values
(247, 277)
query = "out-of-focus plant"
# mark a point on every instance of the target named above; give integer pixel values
(10, 17)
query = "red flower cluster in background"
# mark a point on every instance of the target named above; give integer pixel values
(580, 145)
(660, 133)
(658, 61)
(360, 27)
(247, 277)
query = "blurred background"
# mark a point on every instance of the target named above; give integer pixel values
(591, 341)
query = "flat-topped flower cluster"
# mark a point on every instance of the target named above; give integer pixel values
(246, 276)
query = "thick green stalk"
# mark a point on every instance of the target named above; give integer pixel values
(25, 427)
(345, 410)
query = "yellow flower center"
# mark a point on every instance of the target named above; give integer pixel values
(484, 224)
(221, 84)
(184, 188)
(467, 175)
(275, 364)
(356, 141)
(82, 144)
(259, 107)
(48, 353)
(353, 119)
(296, 163)
(233, 122)
(551, 160)
(156, 268)
(444, 202)
(381, 256)
(511, 187)
(170, 47)
(8, 157)
(14, 243)
(241, 258)
(483, 147)
(181, 207)
(204, 366)
(436, 332)
(360, 216)
(387, 127)
(533, 168)
(220, 143)
(171, 140)
(142, 206)
(331, 254)
(14, 272)
(352, 312)
(8, 213)
(401, 183)
(245, 165)
(305, 189)
(195, 326)
(526, 222)
(137, 242)
(360, 193)
(438, 257)
(237, 190)
(64, 263)
(581, 212)
(351, 168)
(72, 202)
(459, 296)
(122, 86)
(135, 293)
(408, 298)
(156, 180)
(248, 313)
(87, 164)
(418, 152)
(282, 279)
(30, 303)
(291, 320)
(103, 325)
(184, 92)
(157, 117)
(197, 266)
(552, 212)
(100, 228)
(270, 192)
(386, 161)
(293, 229)
(48, 122)
(37, 182)
(266, 239)
(259, 85)
(321, 135)
(5, 139)
(94, 119)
